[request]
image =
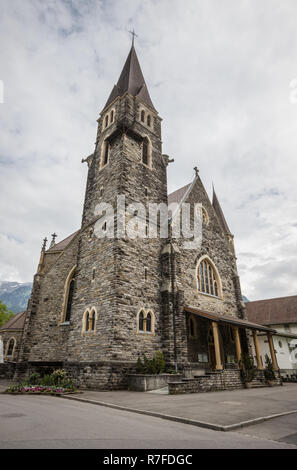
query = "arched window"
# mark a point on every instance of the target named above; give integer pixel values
(205, 218)
(148, 322)
(93, 320)
(106, 153)
(111, 116)
(141, 321)
(142, 115)
(106, 121)
(10, 348)
(208, 282)
(68, 296)
(145, 154)
(148, 120)
(69, 301)
(87, 321)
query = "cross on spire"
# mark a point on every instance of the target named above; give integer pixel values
(133, 36)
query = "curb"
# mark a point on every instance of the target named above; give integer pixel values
(201, 424)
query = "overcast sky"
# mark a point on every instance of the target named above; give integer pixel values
(221, 74)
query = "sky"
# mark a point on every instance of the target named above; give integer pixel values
(223, 77)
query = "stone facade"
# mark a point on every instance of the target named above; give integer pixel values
(116, 277)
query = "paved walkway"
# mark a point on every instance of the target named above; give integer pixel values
(225, 411)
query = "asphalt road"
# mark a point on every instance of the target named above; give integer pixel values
(42, 422)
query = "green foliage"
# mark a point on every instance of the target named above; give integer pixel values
(57, 379)
(156, 365)
(269, 371)
(248, 369)
(5, 314)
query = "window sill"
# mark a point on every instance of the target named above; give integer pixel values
(210, 295)
(65, 323)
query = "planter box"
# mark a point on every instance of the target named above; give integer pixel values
(145, 382)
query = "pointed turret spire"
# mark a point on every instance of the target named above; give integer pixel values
(219, 212)
(131, 81)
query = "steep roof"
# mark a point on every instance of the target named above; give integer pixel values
(131, 81)
(220, 214)
(63, 243)
(273, 311)
(15, 323)
(178, 195)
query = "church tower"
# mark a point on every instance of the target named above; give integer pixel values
(115, 313)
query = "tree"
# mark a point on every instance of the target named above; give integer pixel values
(5, 314)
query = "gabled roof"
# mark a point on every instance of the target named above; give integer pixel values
(220, 214)
(131, 81)
(62, 244)
(15, 323)
(178, 195)
(273, 311)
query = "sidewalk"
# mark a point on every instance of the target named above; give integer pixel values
(224, 411)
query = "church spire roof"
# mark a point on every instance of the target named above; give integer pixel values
(219, 212)
(131, 81)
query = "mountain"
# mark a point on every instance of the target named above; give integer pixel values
(15, 295)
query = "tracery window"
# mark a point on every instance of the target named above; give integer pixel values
(145, 321)
(207, 279)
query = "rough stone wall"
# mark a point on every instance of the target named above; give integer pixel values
(6, 337)
(180, 276)
(119, 289)
(44, 339)
(225, 380)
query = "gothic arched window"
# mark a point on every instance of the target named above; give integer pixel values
(148, 120)
(111, 116)
(69, 300)
(93, 320)
(142, 114)
(145, 152)
(68, 296)
(148, 322)
(208, 282)
(106, 121)
(10, 348)
(141, 321)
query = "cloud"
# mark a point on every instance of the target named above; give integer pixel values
(219, 74)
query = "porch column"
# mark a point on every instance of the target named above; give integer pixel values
(272, 353)
(237, 343)
(257, 349)
(219, 365)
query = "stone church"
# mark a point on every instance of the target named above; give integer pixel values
(99, 303)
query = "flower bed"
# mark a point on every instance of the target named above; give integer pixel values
(39, 389)
(56, 383)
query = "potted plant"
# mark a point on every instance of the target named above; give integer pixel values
(247, 369)
(268, 371)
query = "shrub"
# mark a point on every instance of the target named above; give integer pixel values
(156, 365)
(248, 369)
(268, 371)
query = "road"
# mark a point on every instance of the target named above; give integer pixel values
(41, 422)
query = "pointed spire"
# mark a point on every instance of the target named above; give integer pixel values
(131, 80)
(219, 212)
(53, 242)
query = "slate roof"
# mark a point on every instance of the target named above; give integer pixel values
(132, 81)
(273, 311)
(178, 195)
(15, 323)
(62, 244)
(220, 214)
